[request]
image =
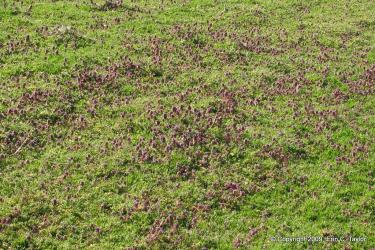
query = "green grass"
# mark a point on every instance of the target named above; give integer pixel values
(202, 124)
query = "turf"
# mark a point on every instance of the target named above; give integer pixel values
(202, 124)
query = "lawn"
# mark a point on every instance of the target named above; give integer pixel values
(187, 124)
